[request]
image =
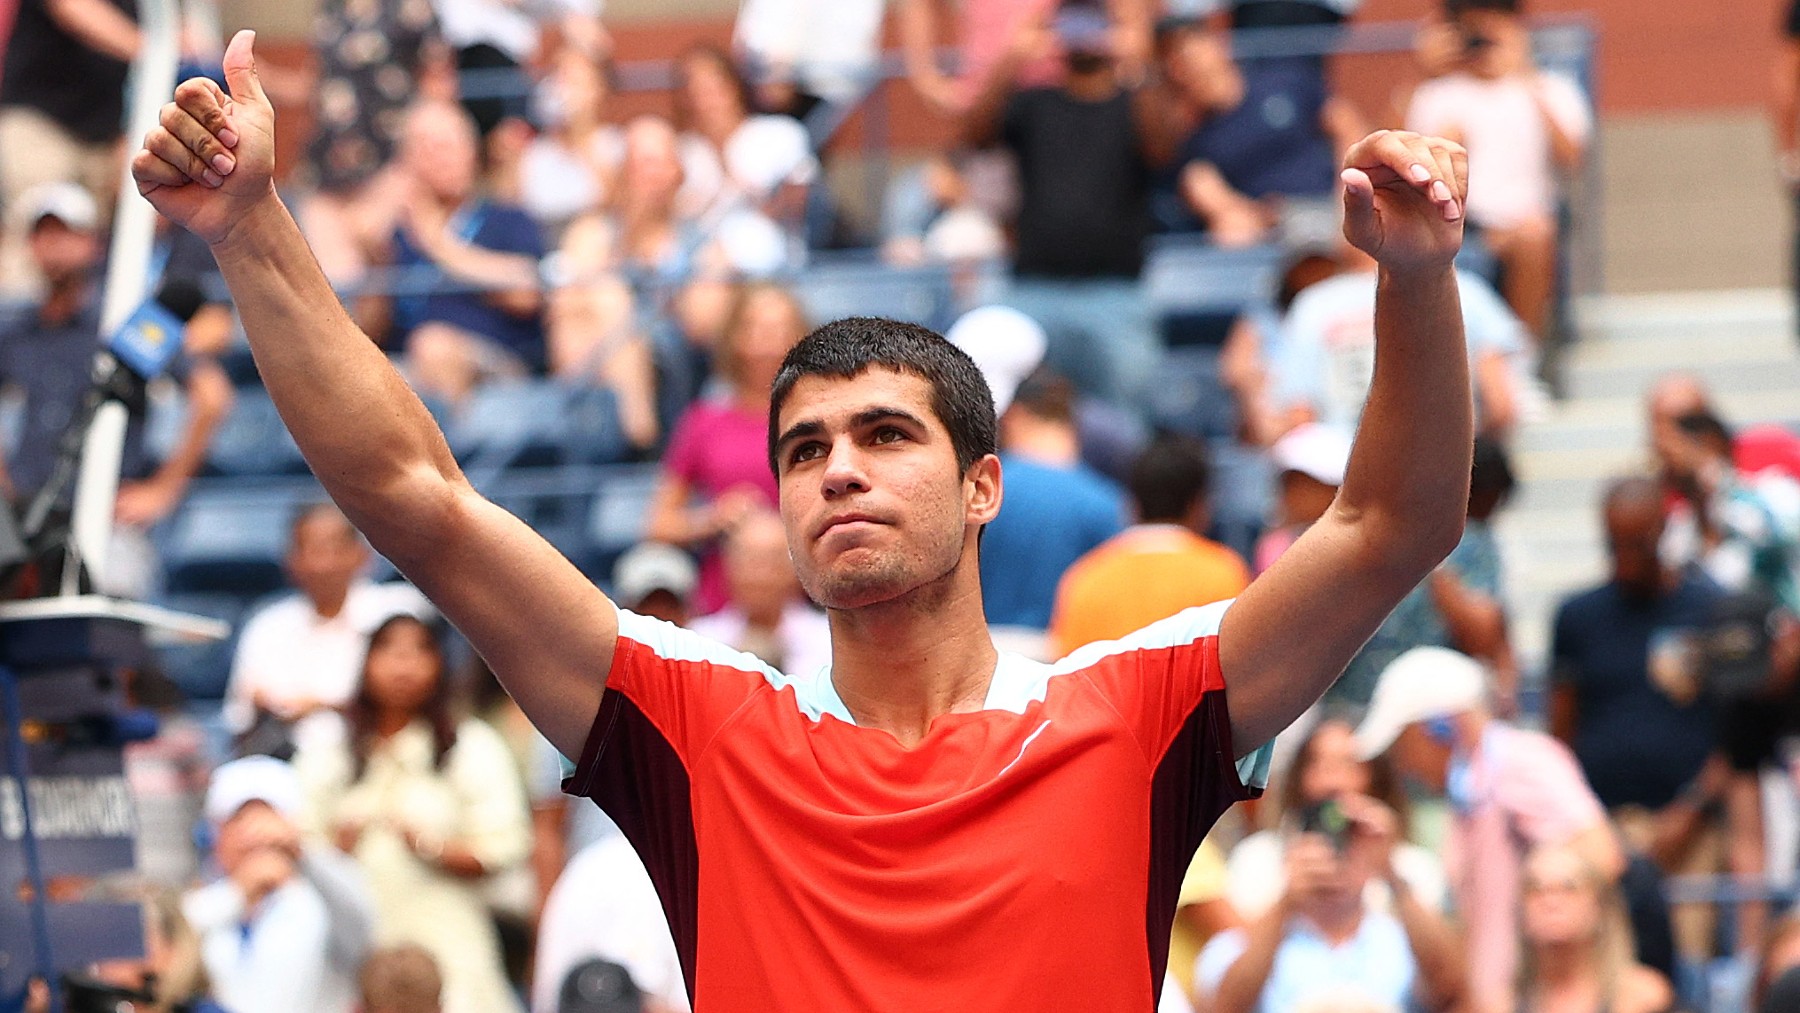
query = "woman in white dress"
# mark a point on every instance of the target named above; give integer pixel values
(430, 806)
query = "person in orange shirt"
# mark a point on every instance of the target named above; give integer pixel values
(1157, 567)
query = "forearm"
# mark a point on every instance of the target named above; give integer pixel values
(1435, 949)
(99, 26)
(497, 272)
(1406, 487)
(1243, 982)
(367, 437)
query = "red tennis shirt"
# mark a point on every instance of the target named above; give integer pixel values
(1024, 857)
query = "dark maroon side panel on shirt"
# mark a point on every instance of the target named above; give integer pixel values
(1195, 783)
(633, 773)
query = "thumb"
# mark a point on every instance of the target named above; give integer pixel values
(240, 69)
(1359, 205)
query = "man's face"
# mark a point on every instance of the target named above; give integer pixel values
(1634, 532)
(63, 254)
(1419, 756)
(442, 153)
(871, 496)
(324, 557)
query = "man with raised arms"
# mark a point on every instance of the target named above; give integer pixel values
(928, 824)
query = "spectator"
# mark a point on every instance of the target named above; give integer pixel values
(1263, 134)
(1755, 449)
(604, 908)
(765, 163)
(1323, 942)
(1057, 509)
(1309, 462)
(716, 469)
(1521, 127)
(431, 807)
(985, 29)
(47, 352)
(601, 986)
(480, 318)
(287, 926)
(1778, 975)
(1158, 566)
(1202, 911)
(1327, 350)
(804, 53)
(592, 334)
(62, 106)
(1743, 533)
(372, 61)
(1509, 790)
(299, 656)
(169, 978)
(571, 166)
(1085, 150)
(401, 979)
(932, 212)
(1325, 767)
(1577, 942)
(1461, 605)
(766, 613)
(498, 38)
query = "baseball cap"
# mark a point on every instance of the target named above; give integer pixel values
(1423, 683)
(650, 567)
(598, 985)
(252, 779)
(1317, 451)
(1006, 344)
(64, 201)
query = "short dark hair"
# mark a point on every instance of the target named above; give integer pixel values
(849, 347)
(1707, 428)
(1490, 471)
(1171, 474)
(1046, 394)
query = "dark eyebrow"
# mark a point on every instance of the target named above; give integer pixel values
(881, 413)
(799, 430)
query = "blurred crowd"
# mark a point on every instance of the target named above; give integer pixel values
(360, 819)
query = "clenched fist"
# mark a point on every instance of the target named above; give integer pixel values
(212, 156)
(1403, 198)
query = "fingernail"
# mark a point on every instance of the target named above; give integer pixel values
(228, 137)
(1453, 211)
(223, 163)
(1419, 173)
(212, 178)
(1440, 190)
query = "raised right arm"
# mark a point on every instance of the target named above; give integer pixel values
(546, 631)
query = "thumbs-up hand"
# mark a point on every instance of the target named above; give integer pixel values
(211, 158)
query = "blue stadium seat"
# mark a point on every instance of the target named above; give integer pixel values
(1189, 397)
(507, 424)
(202, 669)
(229, 538)
(616, 518)
(1197, 289)
(860, 285)
(253, 441)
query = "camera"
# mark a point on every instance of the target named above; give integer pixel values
(1327, 818)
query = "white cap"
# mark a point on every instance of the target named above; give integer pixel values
(1423, 683)
(1005, 343)
(253, 779)
(1317, 451)
(650, 567)
(767, 151)
(66, 202)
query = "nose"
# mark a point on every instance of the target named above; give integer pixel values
(844, 471)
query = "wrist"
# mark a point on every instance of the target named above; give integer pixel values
(250, 234)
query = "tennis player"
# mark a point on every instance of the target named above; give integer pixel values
(928, 825)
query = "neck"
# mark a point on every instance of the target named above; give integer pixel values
(329, 606)
(1092, 87)
(1565, 965)
(899, 664)
(1337, 922)
(64, 299)
(1045, 442)
(389, 721)
(1470, 727)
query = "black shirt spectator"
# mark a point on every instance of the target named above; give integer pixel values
(50, 70)
(1084, 184)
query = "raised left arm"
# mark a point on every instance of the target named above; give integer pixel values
(1400, 509)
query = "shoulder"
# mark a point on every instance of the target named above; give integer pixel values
(283, 611)
(1183, 629)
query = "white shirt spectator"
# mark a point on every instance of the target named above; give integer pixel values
(1499, 121)
(299, 952)
(604, 905)
(289, 654)
(1255, 877)
(828, 46)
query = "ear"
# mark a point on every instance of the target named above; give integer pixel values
(982, 489)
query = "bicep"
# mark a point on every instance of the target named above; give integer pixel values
(546, 631)
(1297, 625)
